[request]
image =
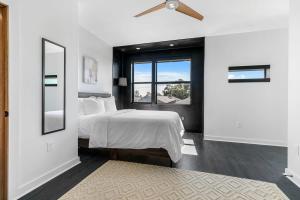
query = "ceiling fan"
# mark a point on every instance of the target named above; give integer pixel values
(174, 5)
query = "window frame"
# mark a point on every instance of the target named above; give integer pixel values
(266, 68)
(141, 83)
(154, 81)
(172, 82)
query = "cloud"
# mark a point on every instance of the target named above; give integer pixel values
(142, 88)
(142, 76)
(234, 76)
(163, 76)
(173, 76)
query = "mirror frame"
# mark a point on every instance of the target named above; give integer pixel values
(44, 40)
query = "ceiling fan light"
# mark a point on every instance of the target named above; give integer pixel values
(172, 4)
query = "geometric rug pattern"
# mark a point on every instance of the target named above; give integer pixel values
(117, 180)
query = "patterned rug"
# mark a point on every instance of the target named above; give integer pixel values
(131, 181)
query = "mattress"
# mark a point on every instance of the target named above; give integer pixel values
(134, 129)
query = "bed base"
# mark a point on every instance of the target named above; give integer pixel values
(116, 154)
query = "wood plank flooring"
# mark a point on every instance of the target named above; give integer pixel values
(257, 162)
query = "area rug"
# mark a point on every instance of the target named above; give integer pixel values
(131, 181)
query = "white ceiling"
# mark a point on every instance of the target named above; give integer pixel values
(113, 21)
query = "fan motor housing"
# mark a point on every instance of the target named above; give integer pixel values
(172, 4)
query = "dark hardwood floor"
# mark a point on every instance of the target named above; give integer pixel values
(256, 162)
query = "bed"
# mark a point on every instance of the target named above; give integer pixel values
(153, 133)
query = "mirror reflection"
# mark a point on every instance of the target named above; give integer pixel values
(53, 87)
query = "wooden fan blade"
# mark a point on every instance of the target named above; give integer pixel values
(158, 7)
(189, 11)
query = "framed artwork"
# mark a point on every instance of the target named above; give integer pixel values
(90, 70)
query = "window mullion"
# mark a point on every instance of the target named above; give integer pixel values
(153, 97)
(142, 83)
(171, 82)
(132, 82)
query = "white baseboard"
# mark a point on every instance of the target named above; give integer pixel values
(295, 179)
(245, 140)
(35, 183)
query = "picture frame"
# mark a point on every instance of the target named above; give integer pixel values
(90, 70)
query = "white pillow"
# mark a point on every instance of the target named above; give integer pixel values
(110, 104)
(80, 106)
(93, 97)
(92, 106)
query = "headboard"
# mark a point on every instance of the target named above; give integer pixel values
(88, 94)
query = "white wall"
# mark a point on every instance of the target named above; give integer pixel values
(92, 46)
(294, 93)
(260, 108)
(29, 162)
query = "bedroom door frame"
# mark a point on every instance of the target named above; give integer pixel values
(3, 101)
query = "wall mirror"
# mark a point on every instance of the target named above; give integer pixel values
(53, 95)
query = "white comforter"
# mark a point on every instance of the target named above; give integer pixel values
(54, 120)
(134, 129)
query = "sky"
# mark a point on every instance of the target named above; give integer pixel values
(246, 74)
(172, 71)
(166, 71)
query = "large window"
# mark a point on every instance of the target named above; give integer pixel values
(172, 82)
(173, 85)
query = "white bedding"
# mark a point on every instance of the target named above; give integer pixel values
(54, 120)
(134, 129)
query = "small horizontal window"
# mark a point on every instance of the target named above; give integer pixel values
(51, 80)
(259, 73)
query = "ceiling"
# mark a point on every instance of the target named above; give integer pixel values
(113, 21)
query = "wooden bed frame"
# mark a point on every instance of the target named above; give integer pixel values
(116, 154)
(125, 154)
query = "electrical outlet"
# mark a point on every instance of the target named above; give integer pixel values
(50, 146)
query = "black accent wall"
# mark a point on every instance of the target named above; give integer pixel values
(193, 48)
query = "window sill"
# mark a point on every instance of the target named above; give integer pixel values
(248, 80)
(161, 105)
